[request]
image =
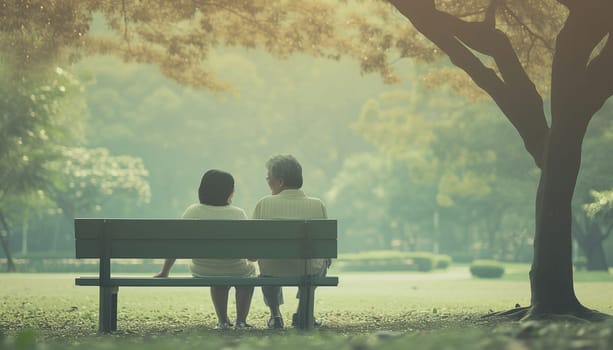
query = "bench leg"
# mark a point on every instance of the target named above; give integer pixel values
(114, 309)
(107, 314)
(306, 307)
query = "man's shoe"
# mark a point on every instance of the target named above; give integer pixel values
(275, 323)
(223, 325)
(296, 321)
(243, 325)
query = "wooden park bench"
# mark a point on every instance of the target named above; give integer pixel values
(107, 239)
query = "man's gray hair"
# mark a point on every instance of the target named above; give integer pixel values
(285, 167)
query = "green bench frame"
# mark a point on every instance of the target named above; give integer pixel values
(107, 239)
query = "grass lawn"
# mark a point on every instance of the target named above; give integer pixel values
(368, 310)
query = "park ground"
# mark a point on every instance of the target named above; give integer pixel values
(441, 310)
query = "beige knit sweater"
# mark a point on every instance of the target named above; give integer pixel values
(290, 204)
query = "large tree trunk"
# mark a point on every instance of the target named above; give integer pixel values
(573, 103)
(551, 276)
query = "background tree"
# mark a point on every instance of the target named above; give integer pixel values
(358, 198)
(475, 184)
(32, 125)
(88, 183)
(578, 41)
(589, 231)
(42, 120)
(91, 177)
(597, 229)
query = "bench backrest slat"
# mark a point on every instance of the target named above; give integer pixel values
(179, 238)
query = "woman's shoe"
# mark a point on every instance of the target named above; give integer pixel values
(275, 322)
(243, 325)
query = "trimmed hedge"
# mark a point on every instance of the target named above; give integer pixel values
(423, 261)
(382, 260)
(71, 265)
(392, 260)
(442, 261)
(486, 269)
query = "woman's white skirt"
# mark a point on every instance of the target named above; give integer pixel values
(223, 267)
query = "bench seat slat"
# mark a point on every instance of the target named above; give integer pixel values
(205, 281)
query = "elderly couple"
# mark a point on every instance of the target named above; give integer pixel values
(286, 202)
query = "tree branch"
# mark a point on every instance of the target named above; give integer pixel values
(527, 28)
(585, 27)
(490, 14)
(515, 93)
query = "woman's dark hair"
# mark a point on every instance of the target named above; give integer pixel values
(215, 188)
(286, 168)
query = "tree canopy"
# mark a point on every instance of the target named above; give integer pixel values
(178, 36)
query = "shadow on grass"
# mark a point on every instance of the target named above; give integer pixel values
(454, 332)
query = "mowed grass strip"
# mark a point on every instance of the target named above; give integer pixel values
(369, 310)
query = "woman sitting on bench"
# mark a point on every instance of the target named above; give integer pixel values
(215, 194)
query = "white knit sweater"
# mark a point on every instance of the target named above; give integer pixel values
(219, 267)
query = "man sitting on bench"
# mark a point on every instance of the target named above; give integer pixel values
(287, 201)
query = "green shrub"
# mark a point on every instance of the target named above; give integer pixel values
(442, 261)
(423, 261)
(486, 269)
